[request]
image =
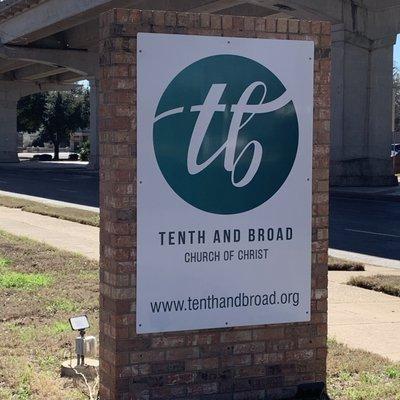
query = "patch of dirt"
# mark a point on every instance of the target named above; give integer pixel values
(31, 344)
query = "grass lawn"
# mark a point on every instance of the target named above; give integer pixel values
(41, 287)
(337, 264)
(67, 213)
(359, 375)
(389, 284)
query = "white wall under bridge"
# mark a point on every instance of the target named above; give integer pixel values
(56, 41)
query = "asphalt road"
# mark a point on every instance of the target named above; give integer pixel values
(74, 185)
(358, 225)
(365, 226)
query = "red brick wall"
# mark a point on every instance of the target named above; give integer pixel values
(237, 363)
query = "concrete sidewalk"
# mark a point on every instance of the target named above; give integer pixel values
(357, 317)
(363, 318)
(65, 235)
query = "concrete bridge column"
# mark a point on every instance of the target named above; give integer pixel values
(8, 127)
(94, 125)
(362, 87)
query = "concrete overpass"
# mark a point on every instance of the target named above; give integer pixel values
(49, 44)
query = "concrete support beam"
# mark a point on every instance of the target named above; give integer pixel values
(94, 124)
(21, 89)
(36, 72)
(66, 77)
(80, 62)
(33, 22)
(218, 5)
(383, 23)
(331, 10)
(361, 110)
(11, 65)
(54, 16)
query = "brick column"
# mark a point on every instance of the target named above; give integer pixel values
(94, 128)
(237, 363)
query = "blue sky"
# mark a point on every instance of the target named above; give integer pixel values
(397, 52)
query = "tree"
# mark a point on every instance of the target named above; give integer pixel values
(30, 112)
(65, 112)
(83, 110)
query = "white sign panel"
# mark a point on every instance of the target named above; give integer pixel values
(224, 181)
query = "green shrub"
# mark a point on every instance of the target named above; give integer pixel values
(84, 151)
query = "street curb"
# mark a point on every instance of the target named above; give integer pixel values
(365, 259)
(50, 202)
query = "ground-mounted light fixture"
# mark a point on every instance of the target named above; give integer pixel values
(86, 361)
(80, 324)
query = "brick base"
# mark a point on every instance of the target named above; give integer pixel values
(263, 362)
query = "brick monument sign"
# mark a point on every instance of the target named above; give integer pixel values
(214, 168)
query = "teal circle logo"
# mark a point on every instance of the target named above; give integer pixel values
(225, 134)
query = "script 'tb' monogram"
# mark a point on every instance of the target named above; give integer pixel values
(225, 134)
(206, 113)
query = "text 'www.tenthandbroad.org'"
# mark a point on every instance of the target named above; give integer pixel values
(213, 302)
